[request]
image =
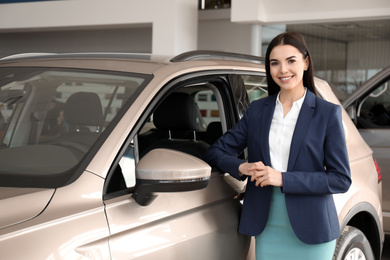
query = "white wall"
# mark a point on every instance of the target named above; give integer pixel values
(297, 11)
(174, 22)
(174, 26)
(217, 32)
(138, 40)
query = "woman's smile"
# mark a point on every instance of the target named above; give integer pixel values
(287, 66)
(285, 79)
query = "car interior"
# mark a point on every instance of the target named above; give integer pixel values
(178, 126)
(187, 120)
(82, 111)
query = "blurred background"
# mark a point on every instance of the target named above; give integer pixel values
(349, 39)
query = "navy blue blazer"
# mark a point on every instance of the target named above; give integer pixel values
(318, 167)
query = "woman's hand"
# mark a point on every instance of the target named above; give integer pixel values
(263, 175)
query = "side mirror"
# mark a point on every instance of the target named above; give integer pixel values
(165, 170)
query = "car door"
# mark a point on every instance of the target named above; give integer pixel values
(194, 223)
(369, 107)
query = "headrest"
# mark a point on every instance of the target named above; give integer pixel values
(84, 109)
(178, 112)
(214, 130)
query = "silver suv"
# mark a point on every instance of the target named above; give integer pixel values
(101, 158)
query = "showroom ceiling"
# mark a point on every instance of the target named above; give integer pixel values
(347, 31)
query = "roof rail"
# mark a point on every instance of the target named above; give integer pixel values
(25, 55)
(202, 55)
(137, 56)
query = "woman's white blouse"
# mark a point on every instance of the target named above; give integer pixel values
(281, 132)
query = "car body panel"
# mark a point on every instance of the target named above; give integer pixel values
(377, 137)
(73, 226)
(379, 141)
(365, 186)
(169, 231)
(22, 204)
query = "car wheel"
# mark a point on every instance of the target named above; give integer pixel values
(353, 245)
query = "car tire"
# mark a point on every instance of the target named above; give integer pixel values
(353, 245)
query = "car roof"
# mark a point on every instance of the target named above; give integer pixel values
(136, 62)
(107, 55)
(186, 56)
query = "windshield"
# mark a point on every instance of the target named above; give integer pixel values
(50, 119)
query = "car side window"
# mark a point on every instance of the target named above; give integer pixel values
(374, 109)
(189, 120)
(207, 104)
(181, 122)
(256, 86)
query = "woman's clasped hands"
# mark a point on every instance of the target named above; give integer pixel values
(261, 174)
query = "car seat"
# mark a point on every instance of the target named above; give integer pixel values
(178, 118)
(83, 115)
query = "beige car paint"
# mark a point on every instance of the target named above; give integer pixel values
(73, 226)
(34, 202)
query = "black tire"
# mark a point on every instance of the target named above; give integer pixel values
(351, 244)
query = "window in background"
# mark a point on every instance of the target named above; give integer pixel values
(345, 54)
(214, 4)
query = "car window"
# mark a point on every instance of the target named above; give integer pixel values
(256, 86)
(50, 119)
(189, 120)
(171, 124)
(208, 107)
(374, 109)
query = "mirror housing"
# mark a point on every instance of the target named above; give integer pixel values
(165, 170)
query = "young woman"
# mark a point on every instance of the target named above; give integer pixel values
(297, 158)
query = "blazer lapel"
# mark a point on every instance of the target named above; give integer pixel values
(301, 126)
(266, 121)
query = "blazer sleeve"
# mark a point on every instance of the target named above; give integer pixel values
(336, 176)
(224, 153)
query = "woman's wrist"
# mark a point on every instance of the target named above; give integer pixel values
(241, 169)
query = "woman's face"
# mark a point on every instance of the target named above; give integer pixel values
(287, 66)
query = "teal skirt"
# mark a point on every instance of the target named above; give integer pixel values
(278, 240)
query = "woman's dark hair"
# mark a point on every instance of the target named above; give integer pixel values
(294, 39)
